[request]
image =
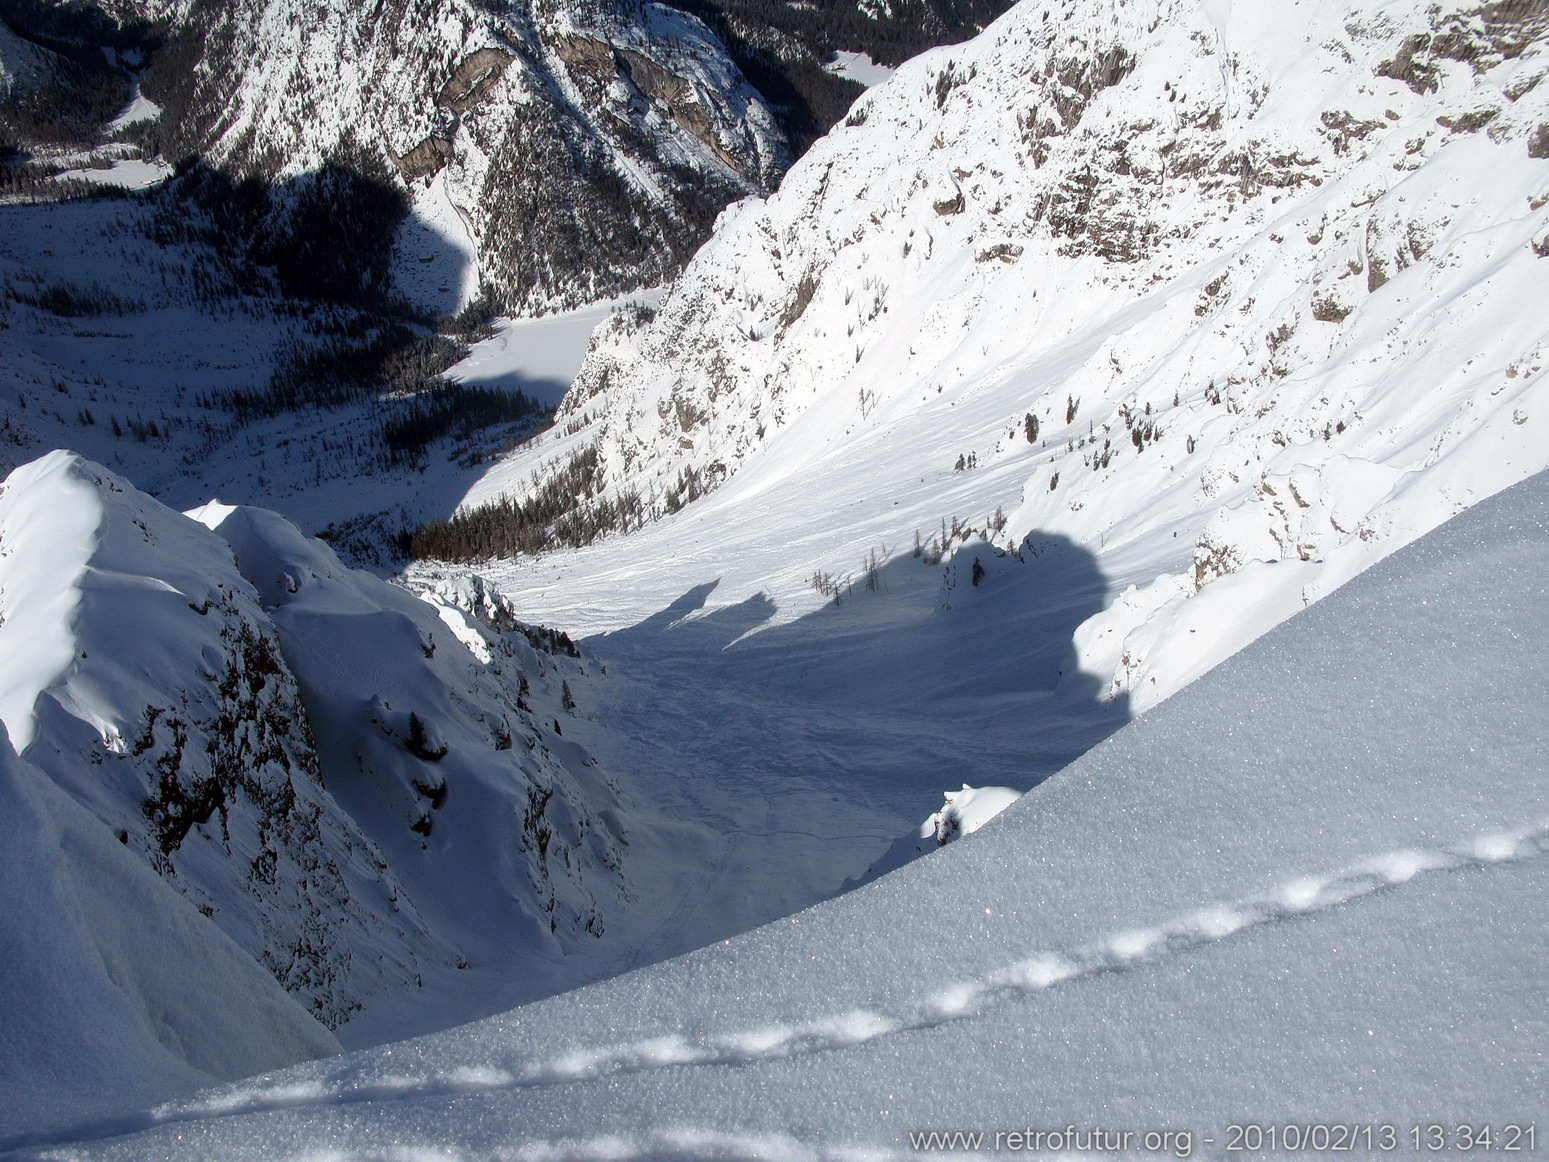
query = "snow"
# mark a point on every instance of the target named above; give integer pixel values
(1322, 362)
(520, 858)
(101, 957)
(23, 65)
(1309, 887)
(329, 785)
(140, 108)
(860, 68)
(162, 357)
(1312, 870)
(435, 262)
(55, 515)
(966, 811)
(542, 127)
(163, 706)
(539, 356)
(838, 348)
(127, 173)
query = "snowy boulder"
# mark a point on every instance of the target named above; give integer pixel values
(965, 811)
(962, 813)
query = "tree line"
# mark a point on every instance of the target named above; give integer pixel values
(566, 510)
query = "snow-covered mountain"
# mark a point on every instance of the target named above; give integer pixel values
(1215, 291)
(1076, 359)
(24, 66)
(144, 677)
(554, 152)
(1307, 890)
(557, 152)
(363, 791)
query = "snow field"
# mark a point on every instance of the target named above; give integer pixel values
(1298, 890)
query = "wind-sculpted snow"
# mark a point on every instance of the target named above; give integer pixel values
(1119, 951)
(1323, 861)
(1219, 292)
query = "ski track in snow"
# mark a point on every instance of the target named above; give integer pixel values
(1116, 952)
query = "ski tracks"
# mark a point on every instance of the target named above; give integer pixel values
(1115, 952)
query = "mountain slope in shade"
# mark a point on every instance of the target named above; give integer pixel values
(24, 66)
(1312, 880)
(367, 794)
(437, 727)
(1215, 291)
(101, 959)
(146, 680)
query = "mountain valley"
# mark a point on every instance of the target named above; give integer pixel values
(717, 464)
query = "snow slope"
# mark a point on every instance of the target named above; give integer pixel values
(147, 681)
(368, 795)
(1310, 887)
(1239, 263)
(439, 734)
(537, 356)
(857, 66)
(96, 1015)
(24, 66)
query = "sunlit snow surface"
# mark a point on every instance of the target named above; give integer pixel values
(1310, 887)
(1247, 279)
(128, 173)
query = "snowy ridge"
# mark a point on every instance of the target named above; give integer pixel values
(426, 734)
(1242, 954)
(368, 793)
(163, 704)
(1236, 264)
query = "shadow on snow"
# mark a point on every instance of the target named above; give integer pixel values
(817, 744)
